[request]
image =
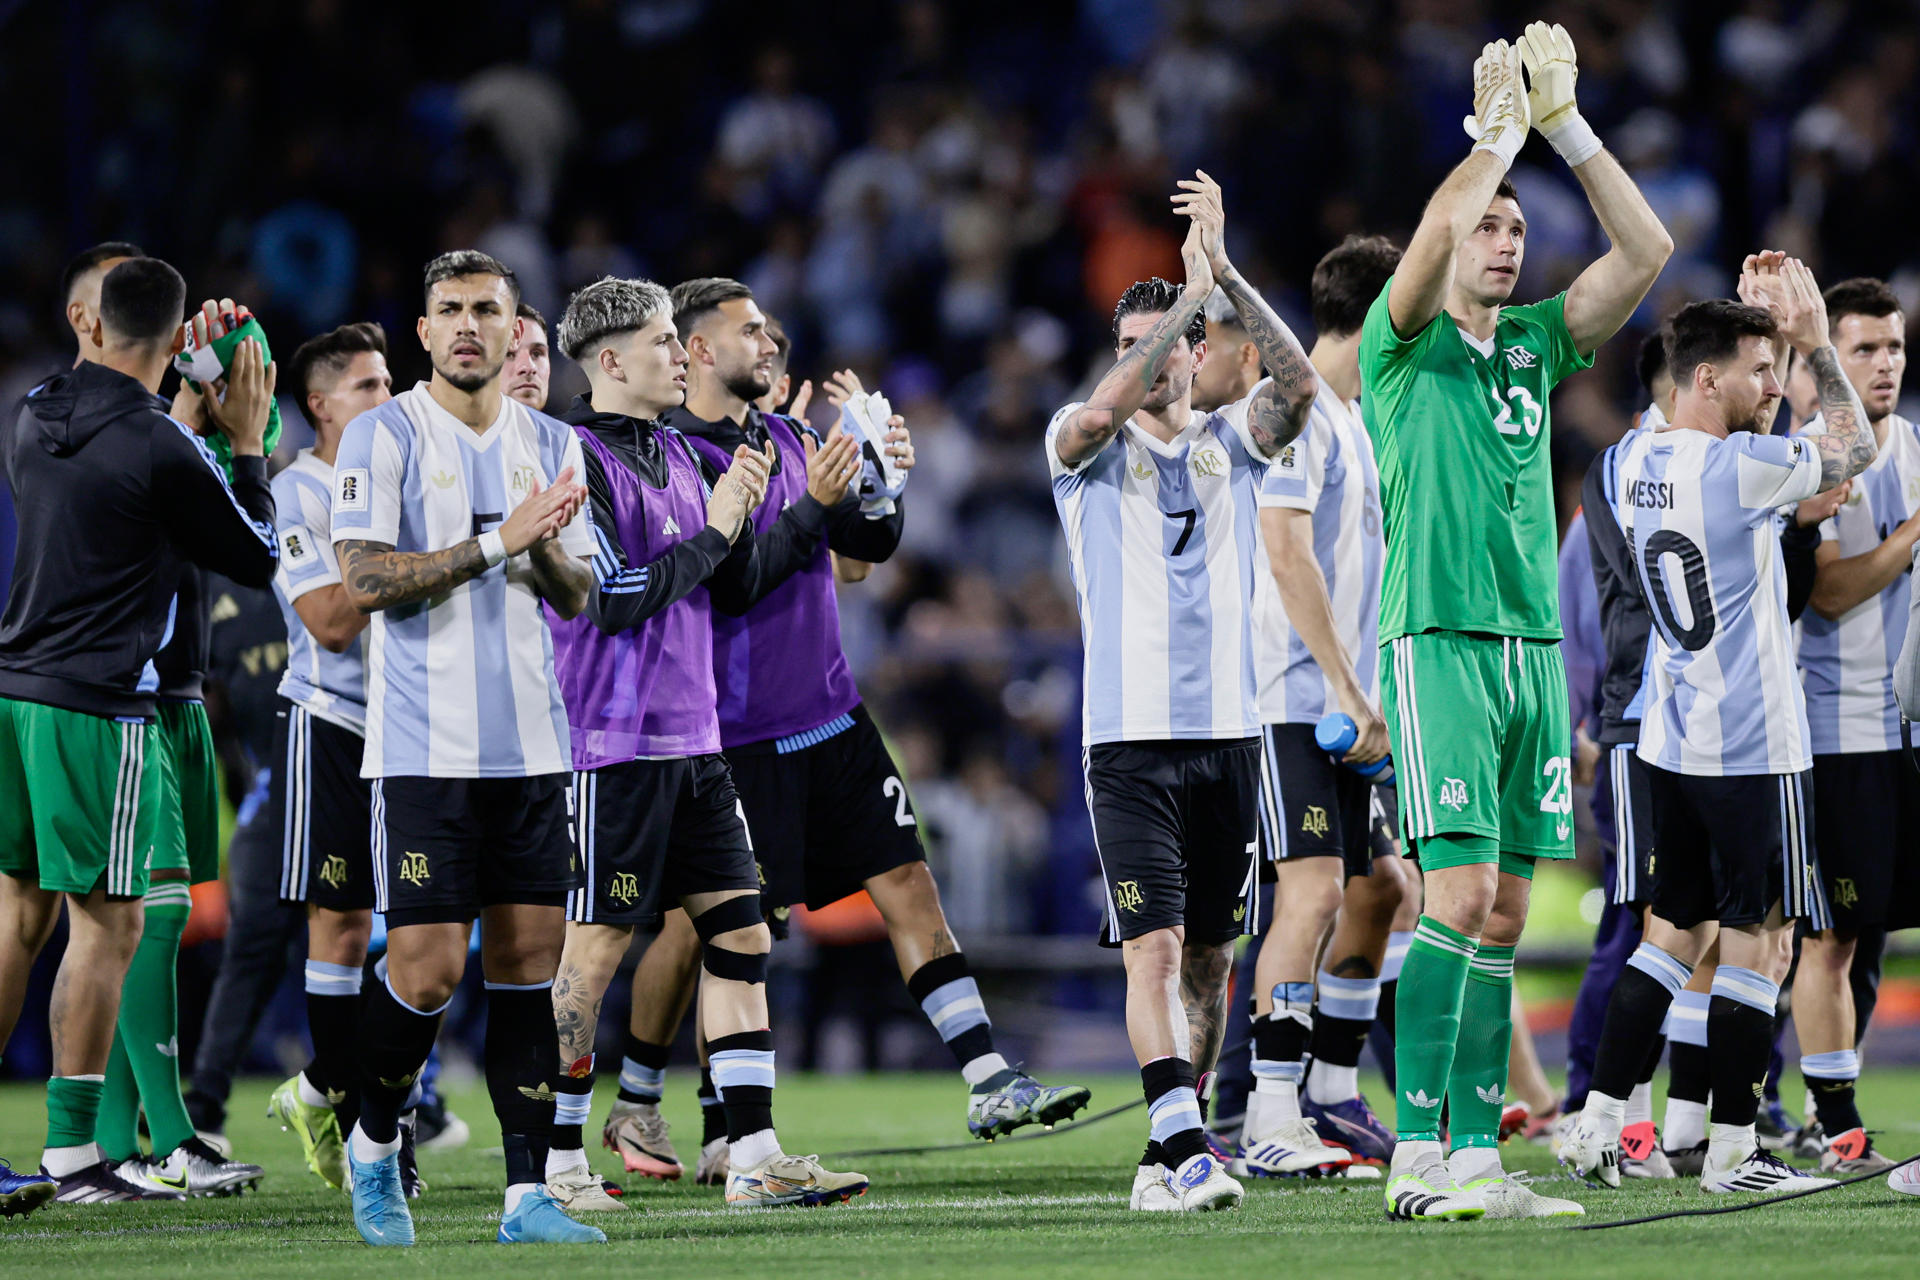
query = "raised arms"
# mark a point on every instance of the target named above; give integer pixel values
(1846, 443)
(1275, 415)
(1124, 388)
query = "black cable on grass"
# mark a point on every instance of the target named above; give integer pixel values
(977, 1145)
(1745, 1205)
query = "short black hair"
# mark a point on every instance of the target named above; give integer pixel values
(1861, 296)
(1348, 280)
(87, 259)
(1505, 191)
(1710, 332)
(331, 353)
(1653, 358)
(692, 299)
(782, 344)
(468, 262)
(1152, 297)
(527, 311)
(142, 300)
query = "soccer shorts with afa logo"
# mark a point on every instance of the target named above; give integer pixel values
(1481, 743)
(652, 832)
(326, 819)
(186, 832)
(79, 799)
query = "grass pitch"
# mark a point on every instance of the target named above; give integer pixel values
(1054, 1207)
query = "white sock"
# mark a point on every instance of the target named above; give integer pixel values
(62, 1161)
(1408, 1152)
(366, 1150)
(1609, 1113)
(559, 1162)
(753, 1150)
(1470, 1163)
(1280, 1102)
(1640, 1103)
(310, 1095)
(1686, 1124)
(1729, 1144)
(518, 1192)
(983, 1068)
(1328, 1084)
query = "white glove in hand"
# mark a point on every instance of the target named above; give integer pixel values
(1499, 120)
(1548, 54)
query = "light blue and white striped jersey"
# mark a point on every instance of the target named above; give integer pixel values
(332, 686)
(1847, 664)
(1328, 471)
(1163, 544)
(460, 686)
(1698, 512)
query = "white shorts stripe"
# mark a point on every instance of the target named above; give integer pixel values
(378, 836)
(1106, 885)
(1273, 814)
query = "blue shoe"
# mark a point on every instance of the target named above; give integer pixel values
(1353, 1125)
(379, 1203)
(1009, 1099)
(539, 1219)
(22, 1193)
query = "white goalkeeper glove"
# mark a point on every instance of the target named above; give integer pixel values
(1548, 54)
(1499, 120)
(864, 417)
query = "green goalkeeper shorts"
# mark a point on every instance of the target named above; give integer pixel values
(1480, 734)
(79, 799)
(187, 830)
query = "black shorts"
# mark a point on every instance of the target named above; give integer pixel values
(1867, 828)
(1383, 820)
(1311, 805)
(654, 831)
(1732, 847)
(826, 817)
(326, 848)
(1633, 840)
(1175, 825)
(444, 848)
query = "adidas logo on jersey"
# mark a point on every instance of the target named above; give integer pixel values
(671, 528)
(1492, 1097)
(1520, 357)
(171, 1049)
(1418, 1098)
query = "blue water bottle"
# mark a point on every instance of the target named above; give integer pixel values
(1336, 733)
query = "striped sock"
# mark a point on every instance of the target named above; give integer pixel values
(1477, 1082)
(1280, 1050)
(1343, 1015)
(1432, 984)
(1831, 1078)
(1739, 1040)
(743, 1072)
(643, 1070)
(946, 992)
(1173, 1110)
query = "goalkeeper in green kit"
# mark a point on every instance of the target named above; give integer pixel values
(1455, 389)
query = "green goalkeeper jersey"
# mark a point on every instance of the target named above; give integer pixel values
(1466, 474)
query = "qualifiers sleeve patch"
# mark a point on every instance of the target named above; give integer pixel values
(351, 490)
(296, 546)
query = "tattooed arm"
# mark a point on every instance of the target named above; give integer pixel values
(377, 577)
(1124, 388)
(1277, 413)
(562, 579)
(1846, 443)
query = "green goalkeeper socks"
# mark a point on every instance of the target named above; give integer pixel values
(1427, 1023)
(144, 1070)
(1477, 1086)
(73, 1102)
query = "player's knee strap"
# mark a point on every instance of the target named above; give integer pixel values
(742, 912)
(734, 966)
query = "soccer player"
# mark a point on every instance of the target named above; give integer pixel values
(1159, 505)
(1724, 729)
(1866, 796)
(1316, 619)
(822, 794)
(320, 732)
(1456, 384)
(529, 360)
(456, 512)
(659, 822)
(80, 288)
(114, 499)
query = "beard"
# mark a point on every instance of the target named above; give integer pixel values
(746, 384)
(1167, 395)
(472, 380)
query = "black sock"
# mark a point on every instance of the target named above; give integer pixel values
(1154, 1154)
(642, 1053)
(573, 1101)
(1380, 1034)
(948, 978)
(1338, 1041)
(1653, 1060)
(1687, 1076)
(1739, 1037)
(1280, 1039)
(1634, 1014)
(713, 1116)
(1176, 1123)
(749, 1107)
(334, 1023)
(1864, 977)
(522, 1051)
(394, 1043)
(1834, 1104)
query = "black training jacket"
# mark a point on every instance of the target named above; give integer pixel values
(114, 499)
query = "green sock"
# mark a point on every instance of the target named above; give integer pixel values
(149, 1027)
(1478, 1085)
(73, 1102)
(117, 1129)
(1426, 1024)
